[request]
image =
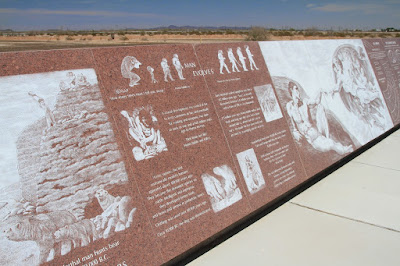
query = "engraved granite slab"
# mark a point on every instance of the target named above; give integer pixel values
(384, 55)
(135, 155)
(66, 197)
(332, 101)
(172, 141)
(252, 119)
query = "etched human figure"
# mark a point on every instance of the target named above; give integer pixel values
(233, 60)
(253, 176)
(250, 57)
(302, 127)
(50, 120)
(151, 71)
(361, 53)
(127, 65)
(117, 215)
(359, 95)
(241, 58)
(143, 130)
(269, 104)
(229, 178)
(71, 79)
(213, 187)
(166, 69)
(178, 66)
(82, 80)
(222, 64)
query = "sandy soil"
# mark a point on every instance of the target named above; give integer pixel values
(45, 42)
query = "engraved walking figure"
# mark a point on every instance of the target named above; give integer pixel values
(250, 57)
(50, 120)
(129, 63)
(178, 66)
(233, 60)
(241, 58)
(151, 71)
(222, 64)
(166, 69)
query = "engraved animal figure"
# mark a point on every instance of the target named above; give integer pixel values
(39, 228)
(129, 63)
(118, 212)
(80, 233)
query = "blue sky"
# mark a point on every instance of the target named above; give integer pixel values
(97, 14)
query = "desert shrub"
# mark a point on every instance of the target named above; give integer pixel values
(340, 34)
(313, 31)
(258, 34)
(69, 38)
(282, 33)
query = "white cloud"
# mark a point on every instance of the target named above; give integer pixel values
(349, 7)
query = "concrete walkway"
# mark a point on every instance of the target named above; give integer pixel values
(351, 217)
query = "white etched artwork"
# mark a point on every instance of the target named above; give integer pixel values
(268, 102)
(393, 56)
(242, 59)
(233, 60)
(222, 64)
(221, 187)
(58, 153)
(360, 93)
(235, 64)
(166, 70)
(151, 72)
(127, 66)
(50, 120)
(178, 66)
(144, 130)
(117, 215)
(251, 59)
(251, 170)
(329, 91)
(315, 130)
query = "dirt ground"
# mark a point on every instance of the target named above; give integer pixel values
(46, 42)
